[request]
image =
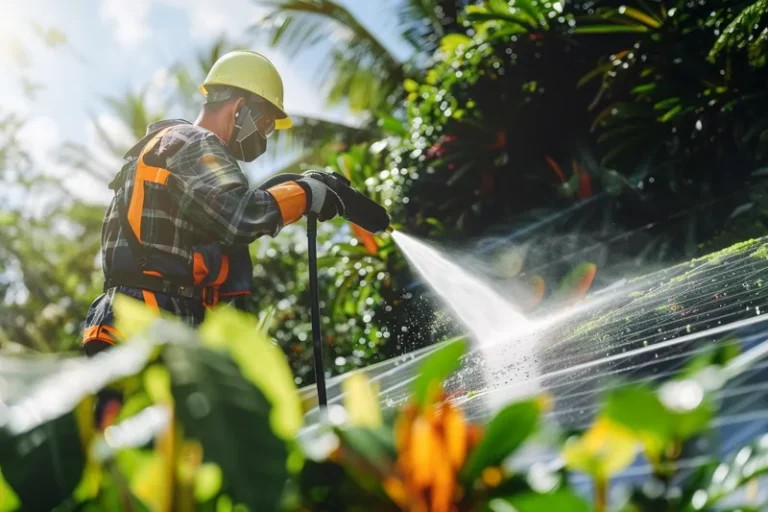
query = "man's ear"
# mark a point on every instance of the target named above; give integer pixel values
(235, 107)
(230, 114)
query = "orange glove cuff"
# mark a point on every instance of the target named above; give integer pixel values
(291, 199)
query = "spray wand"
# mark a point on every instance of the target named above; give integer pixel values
(359, 209)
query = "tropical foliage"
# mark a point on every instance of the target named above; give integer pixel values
(561, 142)
(183, 389)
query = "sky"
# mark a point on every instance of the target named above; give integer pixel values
(115, 46)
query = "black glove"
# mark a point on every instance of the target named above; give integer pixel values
(323, 194)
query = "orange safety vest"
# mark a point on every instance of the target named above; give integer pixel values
(212, 276)
(216, 272)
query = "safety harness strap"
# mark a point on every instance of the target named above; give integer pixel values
(133, 243)
(154, 284)
(130, 208)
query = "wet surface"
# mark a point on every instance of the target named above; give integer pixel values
(644, 330)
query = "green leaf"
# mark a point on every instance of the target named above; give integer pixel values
(9, 501)
(361, 401)
(533, 502)
(389, 124)
(644, 88)
(687, 424)
(410, 85)
(609, 29)
(449, 43)
(533, 11)
(640, 16)
(719, 355)
(208, 481)
(436, 368)
(230, 417)
(594, 73)
(672, 113)
(667, 103)
(687, 419)
(132, 316)
(503, 435)
(606, 449)
(639, 408)
(261, 361)
(44, 465)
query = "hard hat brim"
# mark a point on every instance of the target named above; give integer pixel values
(284, 123)
(281, 123)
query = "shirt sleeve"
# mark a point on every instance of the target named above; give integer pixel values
(212, 190)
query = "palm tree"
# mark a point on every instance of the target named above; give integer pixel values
(361, 70)
(133, 113)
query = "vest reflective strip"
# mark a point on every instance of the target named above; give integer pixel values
(103, 333)
(150, 300)
(144, 173)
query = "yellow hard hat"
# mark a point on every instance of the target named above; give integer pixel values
(252, 72)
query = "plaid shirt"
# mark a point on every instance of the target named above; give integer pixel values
(206, 199)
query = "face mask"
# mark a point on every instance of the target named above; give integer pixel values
(249, 136)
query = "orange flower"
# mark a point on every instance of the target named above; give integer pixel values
(432, 445)
(366, 238)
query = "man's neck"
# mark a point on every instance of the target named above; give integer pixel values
(212, 124)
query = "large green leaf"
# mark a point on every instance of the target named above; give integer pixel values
(503, 435)
(230, 417)
(260, 360)
(436, 368)
(532, 502)
(642, 410)
(44, 465)
(638, 408)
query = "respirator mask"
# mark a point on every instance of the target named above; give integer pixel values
(254, 123)
(253, 126)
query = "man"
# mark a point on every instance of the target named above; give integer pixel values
(176, 233)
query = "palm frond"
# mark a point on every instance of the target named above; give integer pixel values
(189, 76)
(298, 24)
(311, 137)
(312, 131)
(740, 33)
(421, 25)
(133, 111)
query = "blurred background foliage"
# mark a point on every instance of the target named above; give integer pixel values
(564, 142)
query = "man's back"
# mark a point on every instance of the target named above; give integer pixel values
(183, 213)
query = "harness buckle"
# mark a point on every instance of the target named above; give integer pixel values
(210, 296)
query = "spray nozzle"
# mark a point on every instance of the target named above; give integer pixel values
(359, 208)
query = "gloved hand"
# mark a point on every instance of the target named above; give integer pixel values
(324, 193)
